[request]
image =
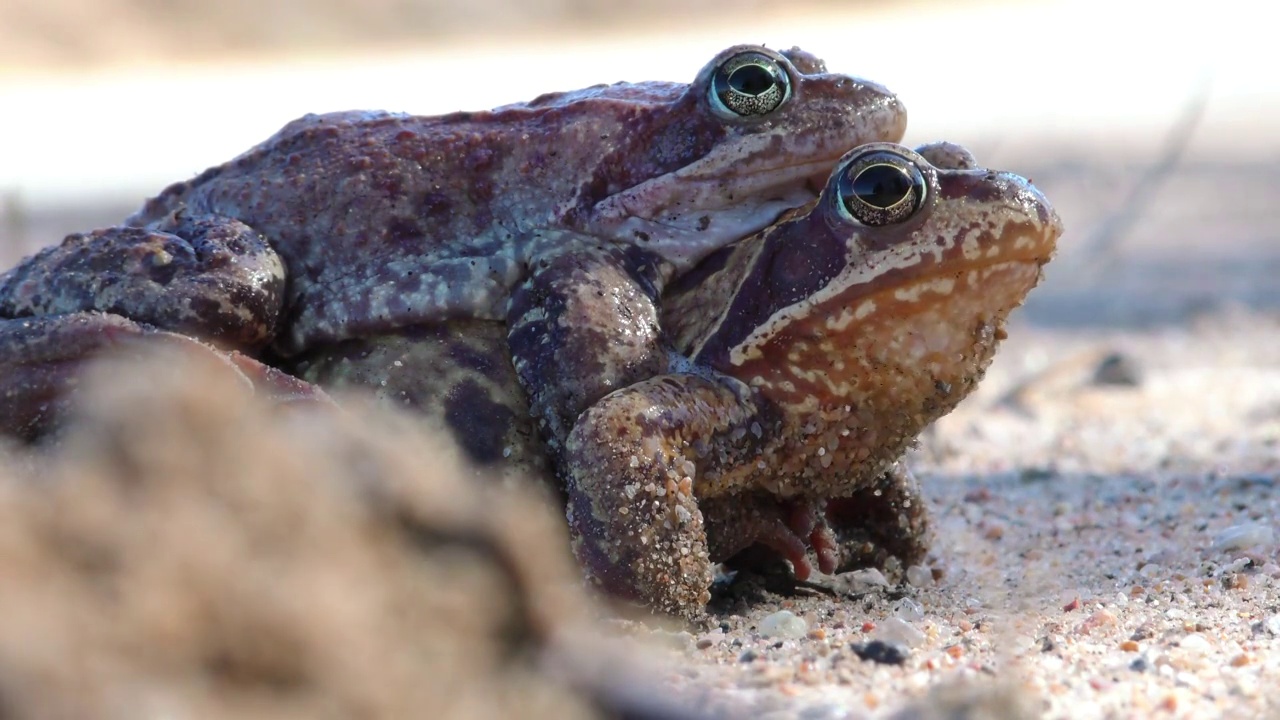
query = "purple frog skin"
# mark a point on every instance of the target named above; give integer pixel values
(361, 224)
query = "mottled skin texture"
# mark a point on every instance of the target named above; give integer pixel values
(559, 283)
(800, 364)
(816, 352)
(375, 223)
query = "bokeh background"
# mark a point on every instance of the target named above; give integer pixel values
(1153, 127)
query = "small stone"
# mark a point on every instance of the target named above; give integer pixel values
(861, 581)
(1150, 570)
(881, 652)
(704, 643)
(783, 624)
(1100, 618)
(1195, 642)
(1129, 646)
(747, 656)
(1139, 664)
(1272, 625)
(895, 630)
(1240, 660)
(1117, 369)
(1239, 537)
(920, 576)
(908, 609)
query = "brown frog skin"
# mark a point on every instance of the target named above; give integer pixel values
(362, 223)
(808, 359)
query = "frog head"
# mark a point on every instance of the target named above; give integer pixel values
(682, 170)
(864, 316)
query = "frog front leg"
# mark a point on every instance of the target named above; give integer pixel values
(630, 468)
(583, 325)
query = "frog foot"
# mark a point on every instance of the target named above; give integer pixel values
(887, 519)
(792, 529)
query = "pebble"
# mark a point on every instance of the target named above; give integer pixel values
(824, 712)
(1272, 625)
(1117, 369)
(881, 652)
(1196, 642)
(920, 576)
(896, 630)
(865, 580)
(783, 624)
(1239, 537)
(908, 609)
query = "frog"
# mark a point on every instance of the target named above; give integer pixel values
(807, 359)
(801, 364)
(358, 223)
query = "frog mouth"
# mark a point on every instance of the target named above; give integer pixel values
(937, 325)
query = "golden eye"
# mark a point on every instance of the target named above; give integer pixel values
(881, 187)
(750, 84)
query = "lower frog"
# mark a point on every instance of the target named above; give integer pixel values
(803, 361)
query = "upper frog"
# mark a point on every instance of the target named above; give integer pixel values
(386, 220)
(355, 224)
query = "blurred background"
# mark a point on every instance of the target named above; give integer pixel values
(1155, 129)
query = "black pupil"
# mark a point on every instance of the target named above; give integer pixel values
(751, 80)
(882, 186)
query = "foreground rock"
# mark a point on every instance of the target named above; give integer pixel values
(185, 552)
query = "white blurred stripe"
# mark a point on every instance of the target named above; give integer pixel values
(1050, 69)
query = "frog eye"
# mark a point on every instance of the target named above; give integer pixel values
(881, 188)
(749, 84)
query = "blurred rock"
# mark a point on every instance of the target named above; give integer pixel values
(187, 551)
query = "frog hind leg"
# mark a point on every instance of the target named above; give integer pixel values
(456, 378)
(205, 276)
(42, 360)
(887, 519)
(197, 275)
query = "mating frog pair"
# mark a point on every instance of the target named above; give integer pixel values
(718, 313)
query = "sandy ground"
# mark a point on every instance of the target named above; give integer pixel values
(1106, 504)
(1109, 549)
